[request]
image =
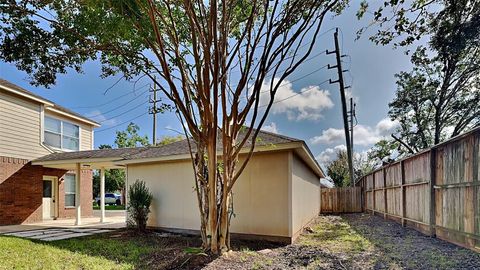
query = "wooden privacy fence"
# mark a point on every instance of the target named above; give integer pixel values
(436, 191)
(341, 200)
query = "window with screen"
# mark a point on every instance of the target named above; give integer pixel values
(70, 190)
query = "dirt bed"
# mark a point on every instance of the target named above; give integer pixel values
(354, 241)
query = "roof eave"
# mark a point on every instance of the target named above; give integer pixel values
(25, 95)
(298, 145)
(85, 120)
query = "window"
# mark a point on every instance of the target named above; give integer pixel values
(70, 190)
(61, 135)
(47, 189)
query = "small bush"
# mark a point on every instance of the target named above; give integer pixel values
(139, 200)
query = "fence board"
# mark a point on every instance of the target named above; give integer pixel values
(442, 183)
(341, 200)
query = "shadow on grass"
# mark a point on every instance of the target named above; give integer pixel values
(121, 249)
(408, 248)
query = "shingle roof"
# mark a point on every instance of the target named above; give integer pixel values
(176, 148)
(8, 84)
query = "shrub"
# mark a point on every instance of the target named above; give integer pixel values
(139, 200)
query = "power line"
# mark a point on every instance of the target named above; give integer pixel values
(119, 106)
(299, 78)
(299, 93)
(278, 101)
(138, 116)
(110, 101)
(294, 80)
(138, 106)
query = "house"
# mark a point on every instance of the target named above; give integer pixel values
(32, 127)
(274, 198)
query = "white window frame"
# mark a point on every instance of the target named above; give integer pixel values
(70, 193)
(61, 134)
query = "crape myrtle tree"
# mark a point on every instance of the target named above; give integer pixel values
(212, 60)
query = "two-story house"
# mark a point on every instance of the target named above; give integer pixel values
(32, 127)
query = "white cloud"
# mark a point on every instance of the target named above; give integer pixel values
(272, 127)
(329, 154)
(307, 104)
(386, 126)
(102, 119)
(363, 135)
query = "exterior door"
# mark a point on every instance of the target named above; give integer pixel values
(48, 201)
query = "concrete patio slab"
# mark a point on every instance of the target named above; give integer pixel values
(53, 234)
(114, 220)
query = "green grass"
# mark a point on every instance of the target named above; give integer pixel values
(95, 252)
(109, 207)
(336, 236)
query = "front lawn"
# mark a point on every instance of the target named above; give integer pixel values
(117, 250)
(109, 207)
(78, 253)
(356, 241)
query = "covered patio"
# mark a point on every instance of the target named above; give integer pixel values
(100, 160)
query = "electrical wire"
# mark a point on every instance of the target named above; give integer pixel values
(299, 93)
(110, 101)
(119, 106)
(105, 129)
(131, 109)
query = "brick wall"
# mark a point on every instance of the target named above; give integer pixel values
(85, 199)
(21, 191)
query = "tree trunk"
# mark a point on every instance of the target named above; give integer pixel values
(212, 196)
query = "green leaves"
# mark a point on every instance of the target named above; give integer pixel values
(130, 137)
(139, 200)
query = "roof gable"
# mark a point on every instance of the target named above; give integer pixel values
(50, 105)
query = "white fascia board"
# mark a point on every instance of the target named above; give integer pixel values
(52, 109)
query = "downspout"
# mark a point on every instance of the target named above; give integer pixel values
(42, 129)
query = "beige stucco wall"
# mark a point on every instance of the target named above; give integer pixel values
(20, 128)
(260, 196)
(305, 194)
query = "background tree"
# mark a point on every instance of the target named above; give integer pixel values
(164, 140)
(338, 170)
(130, 137)
(404, 22)
(385, 151)
(115, 178)
(212, 59)
(440, 97)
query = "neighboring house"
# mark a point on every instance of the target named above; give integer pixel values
(32, 127)
(275, 197)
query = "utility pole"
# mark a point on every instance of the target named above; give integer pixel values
(154, 110)
(344, 102)
(352, 116)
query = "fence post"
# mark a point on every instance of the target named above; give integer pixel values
(476, 189)
(402, 187)
(373, 194)
(362, 195)
(384, 172)
(433, 176)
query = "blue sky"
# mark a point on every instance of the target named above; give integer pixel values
(314, 116)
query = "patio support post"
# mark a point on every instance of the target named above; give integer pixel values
(78, 209)
(102, 194)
